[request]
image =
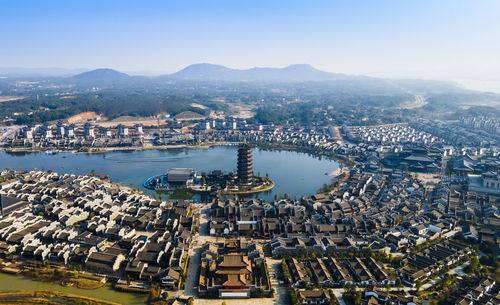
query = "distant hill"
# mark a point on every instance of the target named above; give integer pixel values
(293, 73)
(109, 78)
(102, 75)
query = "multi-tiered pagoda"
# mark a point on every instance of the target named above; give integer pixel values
(245, 172)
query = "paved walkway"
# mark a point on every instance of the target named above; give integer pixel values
(280, 290)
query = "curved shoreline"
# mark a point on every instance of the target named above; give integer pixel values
(103, 150)
(263, 146)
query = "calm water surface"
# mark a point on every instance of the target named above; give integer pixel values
(10, 282)
(294, 173)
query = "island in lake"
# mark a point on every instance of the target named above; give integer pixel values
(215, 182)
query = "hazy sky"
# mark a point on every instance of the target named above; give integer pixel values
(436, 39)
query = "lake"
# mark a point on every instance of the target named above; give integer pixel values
(294, 173)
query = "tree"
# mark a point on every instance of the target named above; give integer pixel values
(333, 298)
(473, 266)
(154, 293)
(285, 270)
(418, 284)
(398, 282)
(352, 295)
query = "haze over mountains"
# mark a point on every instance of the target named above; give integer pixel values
(301, 73)
(292, 73)
(204, 72)
(200, 72)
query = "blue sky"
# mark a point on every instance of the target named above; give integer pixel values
(437, 39)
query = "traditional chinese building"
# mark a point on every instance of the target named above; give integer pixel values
(234, 269)
(245, 172)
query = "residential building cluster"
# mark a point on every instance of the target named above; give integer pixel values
(105, 229)
(484, 292)
(330, 272)
(420, 266)
(485, 123)
(71, 136)
(459, 133)
(392, 135)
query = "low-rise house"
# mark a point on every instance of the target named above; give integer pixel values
(316, 297)
(104, 263)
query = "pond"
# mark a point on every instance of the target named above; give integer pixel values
(10, 282)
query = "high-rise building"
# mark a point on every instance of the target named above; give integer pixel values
(245, 172)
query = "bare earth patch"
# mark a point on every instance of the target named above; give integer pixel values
(130, 121)
(10, 98)
(84, 116)
(196, 105)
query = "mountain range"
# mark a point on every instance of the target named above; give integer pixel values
(293, 74)
(209, 72)
(300, 73)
